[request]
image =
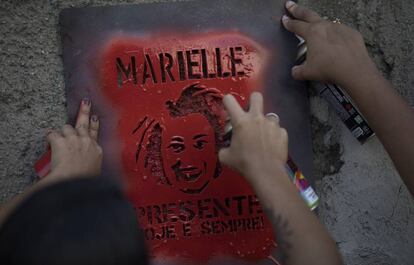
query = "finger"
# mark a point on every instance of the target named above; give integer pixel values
(256, 103)
(225, 156)
(295, 26)
(302, 13)
(300, 72)
(94, 127)
(273, 117)
(68, 130)
(284, 134)
(233, 108)
(82, 122)
(53, 138)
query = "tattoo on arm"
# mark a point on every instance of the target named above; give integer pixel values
(282, 235)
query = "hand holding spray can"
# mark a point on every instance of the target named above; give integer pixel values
(339, 101)
(303, 186)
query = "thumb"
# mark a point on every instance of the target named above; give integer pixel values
(225, 156)
(300, 72)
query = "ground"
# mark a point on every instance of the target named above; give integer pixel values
(365, 205)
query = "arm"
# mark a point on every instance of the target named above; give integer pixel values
(390, 117)
(337, 54)
(259, 152)
(75, 153)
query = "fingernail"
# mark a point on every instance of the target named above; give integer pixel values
(86, 101)
(49, 131)
(285, 18)
(94, 118)
(290, 4)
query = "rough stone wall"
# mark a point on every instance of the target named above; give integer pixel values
(365, 205)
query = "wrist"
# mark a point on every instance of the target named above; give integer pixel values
(277, 191)
(351, 77)
(268, 176)
(274, 187)
(257, 167)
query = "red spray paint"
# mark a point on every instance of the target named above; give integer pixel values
(167, 91)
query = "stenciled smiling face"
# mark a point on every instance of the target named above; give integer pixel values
(189, 153)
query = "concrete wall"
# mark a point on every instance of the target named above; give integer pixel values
(365, 205)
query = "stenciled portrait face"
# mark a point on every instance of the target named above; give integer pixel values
(189, 156)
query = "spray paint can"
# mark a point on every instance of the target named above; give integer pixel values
(305, 189)
(340, 102)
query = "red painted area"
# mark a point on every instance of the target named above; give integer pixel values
(189, 205)
(42, 166)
